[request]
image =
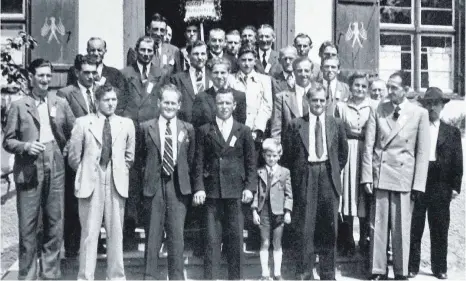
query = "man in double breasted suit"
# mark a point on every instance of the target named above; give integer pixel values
(101, 151)
(169, 146)
(225, 164)
(316, 150)
(443, 184)
(37, 129)
(394, 168)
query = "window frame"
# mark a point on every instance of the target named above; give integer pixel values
(19, 19)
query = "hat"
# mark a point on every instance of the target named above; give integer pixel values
(433, 94)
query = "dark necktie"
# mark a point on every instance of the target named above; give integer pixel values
(106, 154)
(319, 139)
(290, 81)
(264, 61)
(269, 179)
(329, 92)
(199, 84)
(396, 113)
(245, 80)
(90, 100)
(144, 72)
(168, 162)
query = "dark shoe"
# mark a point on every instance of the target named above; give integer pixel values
(400, 277)
(378, 277)
(101, 248)
(305, 276)
(279, 277)
(441, 275)
(412, 274)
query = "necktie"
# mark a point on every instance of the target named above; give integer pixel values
(199, 84)
(157, 50)
(224, 131)
(264, 61)
(144, 73)
(396, 113)
(269, 179)
(319, 139)
(106, 153)
(90, 101)
(329, 92)
(290, 81)
(168, 162)
(245, 80)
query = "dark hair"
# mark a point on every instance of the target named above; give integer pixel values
(302, 35)
(325, 45)
(251, 27)
(171, 88)
(37, 63)
(315, 87)
(357, 75)
(145, 38)
(228, 90)
(263, 26)
(83, 59)
(402, 75)
(244, 49)
(330, 58)
(216, 60)
(197, 43)
(157, 17)
(96, 38)
(299, 60)
(102, 90)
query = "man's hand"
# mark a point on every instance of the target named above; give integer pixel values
(256, 219)
(199, 198)
(415, 195)
(368, 188)
(247, 196)
(287, 217)
(34, 148)
(454, 194)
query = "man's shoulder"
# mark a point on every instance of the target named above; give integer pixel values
(170, 47)
(181, 74)
(86, 119)
(68, 89)
(147, 123)
(128, 71)
(187, 125)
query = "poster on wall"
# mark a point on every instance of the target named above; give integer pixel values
(200, 11)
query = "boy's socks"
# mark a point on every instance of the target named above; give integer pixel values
(264, 257)
(277, 262)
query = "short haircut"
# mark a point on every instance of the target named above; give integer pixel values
(264, 26)
(325, 45)
(402, 75)
(157, 17)
(330, 58)
(226, 91)
(197, 43)
(299, 60)
(315, 88)
(234, 32)
(37, 63)
(250, 27)
(216, 30)
(80, 60)
(191, 24)
(216, 60)
(102, 90)
(147, 39)
(302, 35)
(377, 80)
(357, 75)
(272, 144)
(244, 49)
(286, 49)
(169, 88)
(94, 39)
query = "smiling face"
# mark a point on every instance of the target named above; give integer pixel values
(303, 73)
(216, 42)
(220, 75)
(317, 102)
(396, 91)
(198, 57)
(271, 157)
(330, 69)
(359, 88)
(169, 104)
(96, 49)
(157, 31)
(248, 36)
(378, 90)
(40, 81)
(266, 38)
(225, 105)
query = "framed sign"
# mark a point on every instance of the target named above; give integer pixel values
(201, 10)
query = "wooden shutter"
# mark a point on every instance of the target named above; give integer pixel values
(357, 35)
(284, 22)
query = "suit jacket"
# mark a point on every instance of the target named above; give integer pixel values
(396, 153)
(232, 59)
(285, 109)
(273, 65)
(23, 126)
(223, 169)
(280, 196)
(166, 64)
(342, 94)
(86, 149)
(183, 82)
(296, 144)
(142, 97)
(279, 84)
(153, 158)
(204, 107)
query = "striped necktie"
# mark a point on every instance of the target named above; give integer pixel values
(168, 162)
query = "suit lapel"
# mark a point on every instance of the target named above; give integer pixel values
(52, 109)
(234, 129)
(292, 103)
(277, 174)
(181, 134)
(330, 127)
(32, 109)
(442, 136)
(78, 96)
(96, 129)
(405, 115)
(263, 175)
(116, 128)
(304, 131)
(217, 135)
(186, 80)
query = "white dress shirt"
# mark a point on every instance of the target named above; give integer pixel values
(434, 126)
(300, 93)
(225, 126)
(267, 55)
(140, 67)
(86, 99)
(271, 169)
(162, 129)
(312, 141)
(192, 74)
(45, 133)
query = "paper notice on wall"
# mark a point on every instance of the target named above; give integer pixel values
(201, 9)
(389, 60)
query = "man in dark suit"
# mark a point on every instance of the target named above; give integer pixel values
(193, 81)
(204, 108)
(37, 129)
(443, 184)
(169, 150)
(249, 36)
(143, 85)
(166, 57)
(285, 80)
(267, 62)
(316, 152)
(216, 45)
(233, 39)
(225, 170)
(191, 34)
(96, 49)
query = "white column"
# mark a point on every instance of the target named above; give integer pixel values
(315, 18)
(103, 18)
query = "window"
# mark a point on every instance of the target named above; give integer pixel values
(13, 20)
(418, 37)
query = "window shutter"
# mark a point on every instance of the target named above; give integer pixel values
(357, 35)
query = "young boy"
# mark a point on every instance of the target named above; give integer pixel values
(272, 205)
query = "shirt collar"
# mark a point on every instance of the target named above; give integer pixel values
(102, 117)
(100, 68)
(436, 123)
(271, 168)
(228, 122)
(193, 70)
(402, 104)
(84, 89)
(38, 100)
(267, 53)
(217, 56)
(140, 66)
(285, 74)
(301, 89)
(163, 120)
(364, 103)
(313, 118)
(251, 74)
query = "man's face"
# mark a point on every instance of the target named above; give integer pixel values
(198, 57)
(286, 60)
(157, 31)
(396, 91)
(220, 75)
(96, 49)
(145, 52)
(225, 104)
(107, 103)
(329, 52)
(303, 46)
(317, 102)
(434, 107)
(233, 44)
(359, 88)
(246, 63)
(303, 73)
(169, 35)
(216, 42)
(169, 104)
(86, 74)
(378, 90)
(248, 37)
(330, 69)
(191, 34)
(40, 81)
(266, 38)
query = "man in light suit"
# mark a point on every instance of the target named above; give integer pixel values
(193, 81)
(394, 170)
(337, 91)
(267, 61)
(37, 129)
(443, 184)
(316, 150)
(101, 151)
(169, 150)
(285, 80)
